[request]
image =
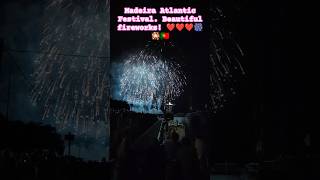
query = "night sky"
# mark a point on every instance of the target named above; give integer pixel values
(190, 50)
(270, 99)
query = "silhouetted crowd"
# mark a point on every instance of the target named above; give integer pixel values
(171, 160)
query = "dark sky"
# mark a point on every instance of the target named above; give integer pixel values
(190, 50)
(273, 97)
(270, 97)
(22, 24)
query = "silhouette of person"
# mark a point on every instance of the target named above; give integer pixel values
(171, 147)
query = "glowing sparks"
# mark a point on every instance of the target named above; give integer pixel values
(75, 89)
(72, 89)
(224, 57)
(148, 80)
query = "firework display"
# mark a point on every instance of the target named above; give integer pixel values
(153, 89)
(148, 79)
(71, 82)
(71, 79)
(224, 54)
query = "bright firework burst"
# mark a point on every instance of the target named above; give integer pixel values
(149, 79)
(71, 77)
(76, 88)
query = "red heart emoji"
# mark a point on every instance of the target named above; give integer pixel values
(170, 27)
(189, 26)
(179, 26)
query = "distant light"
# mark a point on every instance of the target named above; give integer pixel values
(170, 104)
